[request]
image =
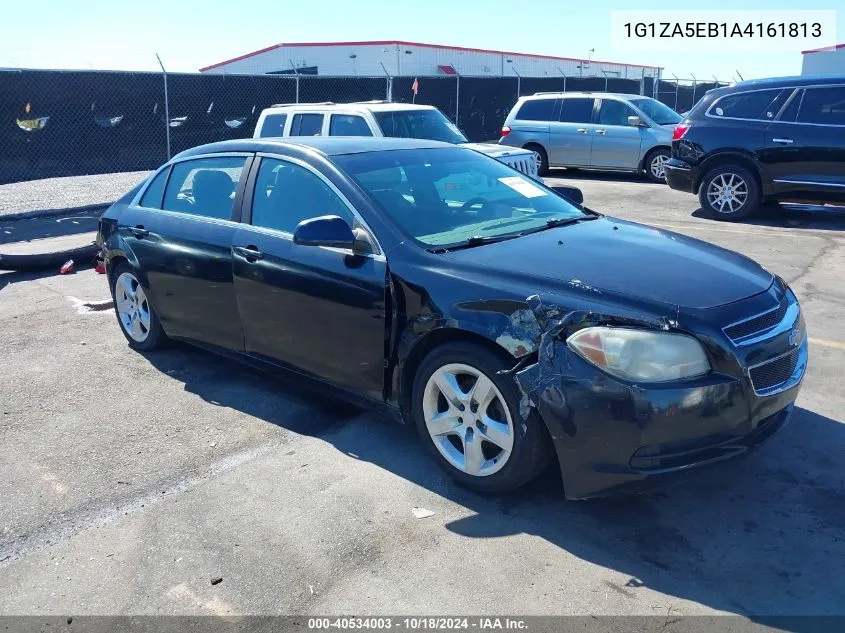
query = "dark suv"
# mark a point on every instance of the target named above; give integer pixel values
(768, 139)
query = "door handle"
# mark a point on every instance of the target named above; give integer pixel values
(602, 132)
(581, 130)
(783, 141)
(249, 253)
(138, 231)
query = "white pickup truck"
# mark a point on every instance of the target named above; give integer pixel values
(382, 118)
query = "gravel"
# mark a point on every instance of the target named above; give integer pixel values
(66, 193)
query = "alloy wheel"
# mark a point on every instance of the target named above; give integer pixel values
(658, 166)
(727, 193)
(468, 419)
(133, 308)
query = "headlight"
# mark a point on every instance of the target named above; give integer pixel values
(640, 355)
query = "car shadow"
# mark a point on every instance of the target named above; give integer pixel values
(71, 222)
(824, 218)
(598, 176)
(759, 536)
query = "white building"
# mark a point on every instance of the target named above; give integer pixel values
(397, 58)
(824, 61)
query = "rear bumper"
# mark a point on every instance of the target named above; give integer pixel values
(681, 176)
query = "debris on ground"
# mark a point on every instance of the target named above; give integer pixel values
(66, 268)
(216, 581)
(422, 513)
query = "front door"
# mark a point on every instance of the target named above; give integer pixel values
(181, 238)
(571, 136)
(616, 143)
(314, 309)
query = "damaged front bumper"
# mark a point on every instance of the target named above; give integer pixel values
(614, 437)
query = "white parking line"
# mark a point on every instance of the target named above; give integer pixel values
(825, 343)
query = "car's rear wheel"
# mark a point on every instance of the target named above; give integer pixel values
(469, 417)
(729, 192)
(542, 158)
(138, 320)
(655, 165)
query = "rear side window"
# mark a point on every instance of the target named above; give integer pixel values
(760, 104)
(823, 106)
(348, 125)
(614, 112)
(536, 110)
(204, 187)
(152, 196)
(274, 125)
(306, 125)
(576, 110)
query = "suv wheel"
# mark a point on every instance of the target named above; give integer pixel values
(655, 165)
(729, 192)
(467, 413)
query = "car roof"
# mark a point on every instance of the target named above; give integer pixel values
(325, 145)
(587, 93)
(363, 106)
(802, 80)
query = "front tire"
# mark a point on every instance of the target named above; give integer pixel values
(136, 316)
(468, 415)
(655, 165)
(729, 192)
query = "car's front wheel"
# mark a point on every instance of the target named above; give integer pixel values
(138, 320)
(729, 192)
(469, 417)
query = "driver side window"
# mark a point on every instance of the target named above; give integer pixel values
(286, 194)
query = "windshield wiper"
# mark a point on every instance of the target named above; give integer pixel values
(553, 223)
(475, 240)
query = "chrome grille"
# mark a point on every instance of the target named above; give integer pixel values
(756, 325)
(774, 372)
(525, 164)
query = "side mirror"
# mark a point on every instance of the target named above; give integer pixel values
(635, 121)
(326, 230)
(572, 194)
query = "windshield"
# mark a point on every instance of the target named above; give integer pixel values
(426, 124)
(442, 197)
(657, 112)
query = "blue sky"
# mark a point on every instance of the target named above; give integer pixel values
(189, 34)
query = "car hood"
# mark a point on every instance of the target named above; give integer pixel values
(496, 151)
(623, 258)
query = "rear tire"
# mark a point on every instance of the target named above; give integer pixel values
(543, 163)
(135, 314)
(483, 444)
(655, 163)
(729, 192)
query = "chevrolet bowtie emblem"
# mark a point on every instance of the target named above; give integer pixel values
(794, 337)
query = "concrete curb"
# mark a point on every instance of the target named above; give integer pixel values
(50, 213)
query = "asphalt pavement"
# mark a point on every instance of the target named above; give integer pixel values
(130, 481)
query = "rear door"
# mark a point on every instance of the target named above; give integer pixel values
(805, 147)
(180, 235)
(571, 136)
(616, 144)
(318, 310)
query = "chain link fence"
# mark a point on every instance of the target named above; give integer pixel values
(65, 123)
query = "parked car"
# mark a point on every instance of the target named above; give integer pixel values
(479, 314)
(763, 140)
(381, 119)
(599, 130)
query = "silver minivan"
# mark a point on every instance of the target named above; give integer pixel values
(597, 130)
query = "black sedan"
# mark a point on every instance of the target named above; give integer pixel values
(503, 319)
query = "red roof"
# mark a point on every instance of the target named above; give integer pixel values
(403, 43)
(824, 50)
